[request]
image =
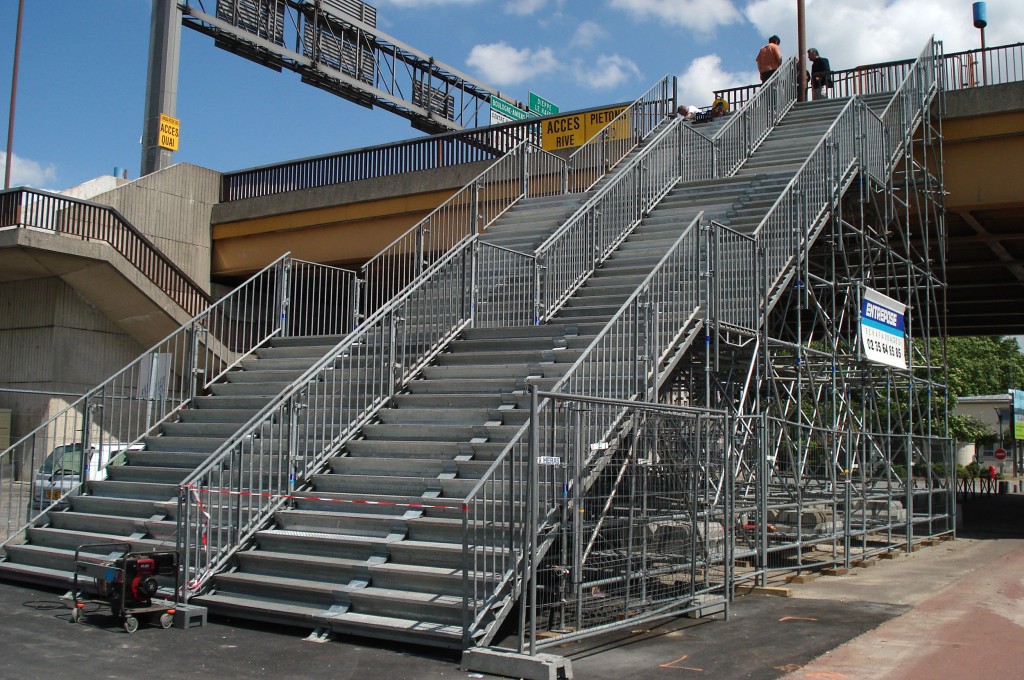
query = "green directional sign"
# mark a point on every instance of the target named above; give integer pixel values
(541, 106)
(507, 109)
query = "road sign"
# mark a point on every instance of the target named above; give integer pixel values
(1000, 454)
(508, 110)
(170, 130)
(541, 106)
(575, 129)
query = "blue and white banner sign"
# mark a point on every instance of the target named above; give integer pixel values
(882, 332)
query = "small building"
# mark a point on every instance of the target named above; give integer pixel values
(996, 411)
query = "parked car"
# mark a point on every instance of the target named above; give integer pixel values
(61, 470)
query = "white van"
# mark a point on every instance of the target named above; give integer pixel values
(61, 470)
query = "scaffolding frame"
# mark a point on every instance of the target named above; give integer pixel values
(838, 459)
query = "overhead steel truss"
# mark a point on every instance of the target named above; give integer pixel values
(338, 48)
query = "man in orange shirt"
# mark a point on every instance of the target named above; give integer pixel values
(769, 59)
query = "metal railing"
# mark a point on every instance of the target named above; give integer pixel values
(280, 448)
(450, 149)
(571, 254)
(525, 171)
(750, 125)
(642, 529)
(116, 414)
(787, 226)
(977, 68)
(818, 182)
(604, 150)
(504, 286)
(40, 210)
(619, 364)
(960, 71)
(906, 109)
(415, 155)
(734, 267)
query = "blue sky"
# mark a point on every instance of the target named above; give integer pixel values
(83, 68)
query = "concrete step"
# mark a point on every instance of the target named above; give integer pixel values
(307, 616)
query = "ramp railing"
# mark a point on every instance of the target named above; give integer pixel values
(116, 414)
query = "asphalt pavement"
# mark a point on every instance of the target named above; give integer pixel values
(952, 610)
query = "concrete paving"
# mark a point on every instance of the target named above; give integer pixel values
(955, 609)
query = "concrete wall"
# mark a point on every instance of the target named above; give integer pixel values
(173, 208)
(56, 345)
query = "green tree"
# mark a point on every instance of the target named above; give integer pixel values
(983, 365)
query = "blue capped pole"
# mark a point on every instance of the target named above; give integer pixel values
(980, 22)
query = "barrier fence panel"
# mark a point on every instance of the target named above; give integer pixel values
(639, 529)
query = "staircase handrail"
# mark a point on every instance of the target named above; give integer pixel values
(820, 173)
(623, 371)
(333, 398)
(740, 136)
(786, 223)
(23, 208)
(468, 211)
(571, 254)
(607, 147)
(136, 399)
(917, 88)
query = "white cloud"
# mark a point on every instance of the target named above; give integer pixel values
(587, 33)
(502, 64)
(606, 72)
(702, 15)
(25, 172)
(705, 75)
(856, 32)
(524, 7)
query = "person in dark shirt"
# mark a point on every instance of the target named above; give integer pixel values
(821, 74)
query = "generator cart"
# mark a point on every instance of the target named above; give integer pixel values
(126, 581)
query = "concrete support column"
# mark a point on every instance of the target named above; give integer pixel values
(161, 82)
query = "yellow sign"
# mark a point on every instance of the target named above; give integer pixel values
(575, 129)
(170, 129)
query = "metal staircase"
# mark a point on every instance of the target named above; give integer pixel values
(372, 483)
(375, 544)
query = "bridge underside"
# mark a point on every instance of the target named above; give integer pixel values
(983, 147)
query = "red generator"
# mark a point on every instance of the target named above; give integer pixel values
(128, 582)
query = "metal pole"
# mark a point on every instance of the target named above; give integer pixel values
(161, 82)
(984, 62)
(14, 96)
(801, 51)
(534, 510)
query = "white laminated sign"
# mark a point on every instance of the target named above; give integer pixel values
(882, 330)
